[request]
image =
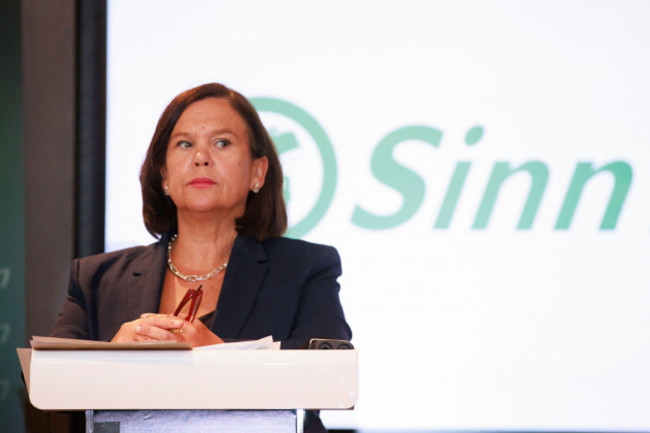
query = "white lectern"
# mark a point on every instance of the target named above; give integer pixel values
(175, 390)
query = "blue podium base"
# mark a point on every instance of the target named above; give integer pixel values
(209, 421)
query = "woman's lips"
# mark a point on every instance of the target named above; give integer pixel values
(202, 182)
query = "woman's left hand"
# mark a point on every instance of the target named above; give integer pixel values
(195, 333)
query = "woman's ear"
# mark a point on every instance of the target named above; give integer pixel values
(258, 175)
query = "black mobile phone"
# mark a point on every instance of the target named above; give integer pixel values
(329, 344)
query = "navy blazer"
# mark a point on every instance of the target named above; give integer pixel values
(281, 287)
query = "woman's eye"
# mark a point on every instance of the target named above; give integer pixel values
(222, 142)
(184, 143)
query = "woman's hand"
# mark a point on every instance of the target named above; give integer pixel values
(197, 334)
(165, 327)
(149, 327)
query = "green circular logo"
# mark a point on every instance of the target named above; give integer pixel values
(286, 141)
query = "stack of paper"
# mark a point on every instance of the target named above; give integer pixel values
(54, 343)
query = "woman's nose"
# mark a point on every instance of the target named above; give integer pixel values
(200, 159)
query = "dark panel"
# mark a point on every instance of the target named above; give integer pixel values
(12, 217)
(49, 59)
(91, 127)
(49, 101)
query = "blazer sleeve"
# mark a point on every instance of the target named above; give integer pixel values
(320, 314)
(72, 321)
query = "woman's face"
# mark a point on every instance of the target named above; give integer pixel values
(208, 166)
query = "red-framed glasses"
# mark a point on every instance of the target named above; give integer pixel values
(194, 296)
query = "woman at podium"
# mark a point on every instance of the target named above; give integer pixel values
(220, 270)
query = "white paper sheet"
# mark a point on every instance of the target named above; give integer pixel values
(55, 343)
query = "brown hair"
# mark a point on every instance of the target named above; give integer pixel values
(265, 216)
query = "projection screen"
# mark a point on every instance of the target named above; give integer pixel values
(480, 166)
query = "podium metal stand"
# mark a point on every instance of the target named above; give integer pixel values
(209, 421)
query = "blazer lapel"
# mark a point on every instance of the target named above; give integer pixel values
(144, 279)
(246, 271)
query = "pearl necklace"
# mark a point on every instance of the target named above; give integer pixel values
(189, 278)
